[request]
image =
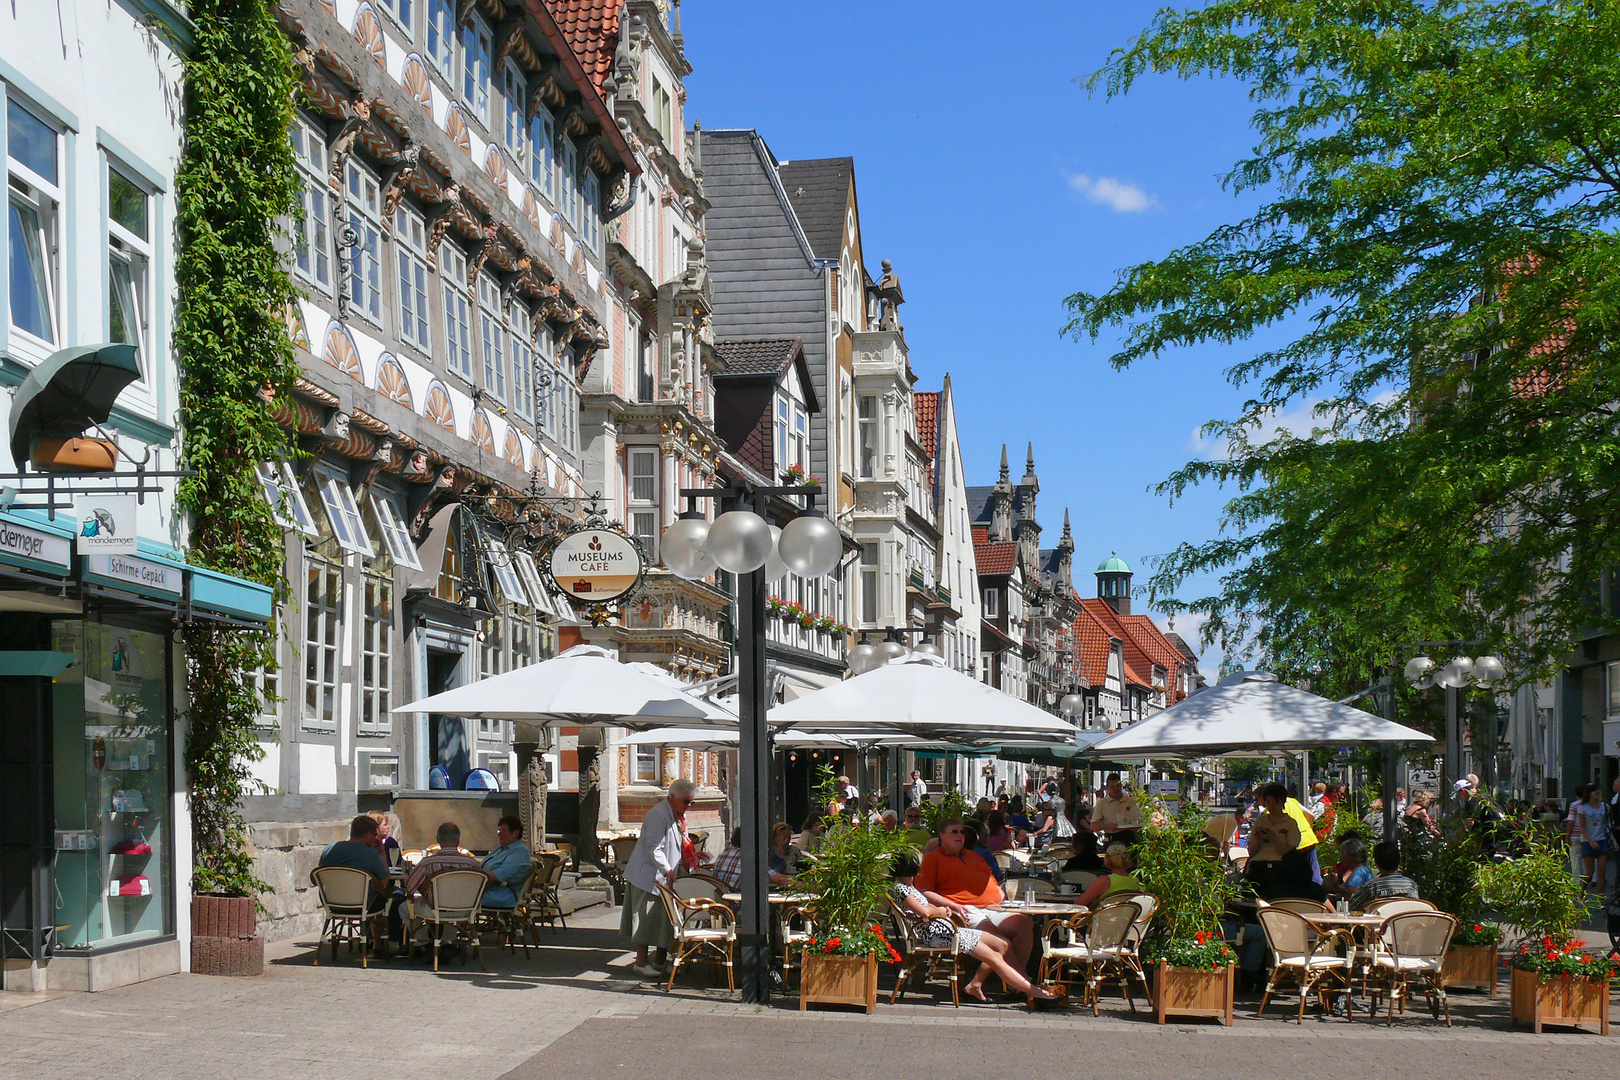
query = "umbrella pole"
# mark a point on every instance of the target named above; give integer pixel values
(753, 791)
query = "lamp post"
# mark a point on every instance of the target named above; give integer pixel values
(1455, 676)
(741, 541)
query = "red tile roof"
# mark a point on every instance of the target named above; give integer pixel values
(1136, 661)
(994, 559)
(592, 28)
(1091, 638)
(927, 406)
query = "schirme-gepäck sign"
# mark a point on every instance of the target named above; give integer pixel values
(595, 565)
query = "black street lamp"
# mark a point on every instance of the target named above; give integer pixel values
(742, 542)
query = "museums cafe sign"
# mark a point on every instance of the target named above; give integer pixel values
(596, 566)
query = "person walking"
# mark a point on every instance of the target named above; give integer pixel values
(1592, 823)
(661, 851)
(916, 791)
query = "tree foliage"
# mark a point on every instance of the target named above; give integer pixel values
(1442, 179)
(236, 183)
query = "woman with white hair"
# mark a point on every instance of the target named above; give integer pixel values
(661, 850)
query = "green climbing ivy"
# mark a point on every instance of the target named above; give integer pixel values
(236, 183)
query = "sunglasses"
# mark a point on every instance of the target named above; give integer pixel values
(953, 832)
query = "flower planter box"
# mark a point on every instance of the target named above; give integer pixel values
(1563, 1000)
(837, 980)
(224, 936)
(1180, 991)
(1471, 965)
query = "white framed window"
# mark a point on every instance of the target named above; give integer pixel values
(645, 351)
(506, 573)
(475, 52)
(492, 661)
(402, 11)
(543, 152)
(992, 604)
(364, 204)
(492, 337)
(267, 681)
(396, 536)
(591, 213)
(515, 128)
(867, 440)
(642, 468)
(347, 528)
(567, 400)
(441, 34)
(518, 333)
(129, 262)
(376, 652)
(33, 211)
(323, 634)
(410, 248)
(312, 231)
(530, 575)
(457, 310)
(286, 498)
(568, 183)
(869, 583)
(645, 764)
(792, 430)
(546, 403)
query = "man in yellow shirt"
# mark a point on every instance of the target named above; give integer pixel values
(1276, 800)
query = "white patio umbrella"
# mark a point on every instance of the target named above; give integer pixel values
(1254, 713)
(720, 739)
(581, 686)
(921, 696)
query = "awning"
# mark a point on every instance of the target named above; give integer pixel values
(159, 574)
(68, 390)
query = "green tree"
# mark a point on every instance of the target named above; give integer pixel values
(1442, 179)
(236, 184)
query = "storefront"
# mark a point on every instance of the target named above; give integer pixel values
(95, 876)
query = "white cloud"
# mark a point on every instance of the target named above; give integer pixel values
(1299, 422)
(1117, 195)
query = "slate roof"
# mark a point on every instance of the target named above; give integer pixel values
(926, 403)
(1181, 645)
(978, 499)
(592, 28)
(819, 192)
(757, 356)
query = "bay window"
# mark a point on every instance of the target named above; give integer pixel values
(866, 432)
(869, 583)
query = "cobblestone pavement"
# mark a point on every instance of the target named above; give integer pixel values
(573, 1009)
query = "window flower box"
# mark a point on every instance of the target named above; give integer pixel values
(1563, 999)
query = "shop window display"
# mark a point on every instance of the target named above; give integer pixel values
(112, 762)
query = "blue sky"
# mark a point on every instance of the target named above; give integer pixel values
(998, 186)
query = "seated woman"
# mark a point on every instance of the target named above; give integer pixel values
(1352, 872)
(784, 854)
(815, 827)
(999, 837)
(1120, 877)
(1086, 856)
(982, 945)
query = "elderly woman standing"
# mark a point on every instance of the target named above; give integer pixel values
(661, 850)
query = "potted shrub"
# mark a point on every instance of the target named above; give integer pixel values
(1446, 868)
(1194, 969)
(848, 885)
(1553, 980)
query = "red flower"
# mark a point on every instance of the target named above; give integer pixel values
(1225, 951)
(1547, 941)
(1478, 928)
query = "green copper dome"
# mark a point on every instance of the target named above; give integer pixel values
(1113, 565)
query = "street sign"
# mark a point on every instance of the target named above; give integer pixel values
(595, 566)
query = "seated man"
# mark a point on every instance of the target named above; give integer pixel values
(1387, 857)
(960, 880)
(914, 828)
(728, 867)
(507, 865)
(363, 851)
(446, 856)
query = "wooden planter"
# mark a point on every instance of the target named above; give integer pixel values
(1563, 1000)
(837, 980)
(1471, 965)
(224, 936)
(1180, 991)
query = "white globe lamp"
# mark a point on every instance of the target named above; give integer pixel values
(1419, 672)
(810, 545)
(1456, 674)
(685, 548)
(862, 658)
(739, 541)
(775, 568)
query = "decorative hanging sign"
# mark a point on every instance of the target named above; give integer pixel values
(106, 524)
(595, 566)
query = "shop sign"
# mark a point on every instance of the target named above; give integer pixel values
(34, 545)
(106, 524)
(595, 566)
(142, 574)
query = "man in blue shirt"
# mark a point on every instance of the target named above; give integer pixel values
(363, 851)
(507, 865)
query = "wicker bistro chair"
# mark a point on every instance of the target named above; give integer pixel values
(1300, 905)
(454, 904)
(921, 958)
(701, 923)
(1299, 953)
(544, 899)
(510, 925)
(798, 925)
(1398, 905)
(1414, 945)
(344, 893)
(1096, 942)
(1028, 888)
(1081, 879)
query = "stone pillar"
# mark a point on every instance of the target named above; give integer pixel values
(532, 790)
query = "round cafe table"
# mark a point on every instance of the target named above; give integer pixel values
(1042, 912)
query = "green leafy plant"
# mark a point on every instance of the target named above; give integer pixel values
(953, 804)
(1445, 866)
(1551, 957)
(235, 183)
(867, 942)
(1476, 934)
(1175, 865)
(1535, 893)
(1204, 949)
(850, 877)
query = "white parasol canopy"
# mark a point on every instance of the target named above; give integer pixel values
(583, 685)
(716, 738)
(919, 695)
(1254, 713)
